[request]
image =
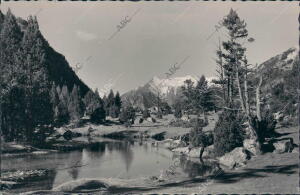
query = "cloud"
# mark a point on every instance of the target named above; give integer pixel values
(85, 35)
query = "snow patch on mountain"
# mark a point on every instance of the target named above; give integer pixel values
(165, 85)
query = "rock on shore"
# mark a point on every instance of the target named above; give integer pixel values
(235, 158)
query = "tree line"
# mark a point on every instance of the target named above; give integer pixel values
(38, 89)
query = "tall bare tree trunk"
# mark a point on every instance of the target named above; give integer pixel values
(222, 71)
(230, 89)
(254, 139)
(247, 105)
(258, 110)
(240, 90)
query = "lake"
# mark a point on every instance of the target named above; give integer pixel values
(102, 159)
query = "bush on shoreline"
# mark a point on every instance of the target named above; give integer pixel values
(228, 132)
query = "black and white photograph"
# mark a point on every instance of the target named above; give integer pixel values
(149, 97)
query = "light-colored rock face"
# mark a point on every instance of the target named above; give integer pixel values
(177, 144)
(283, 146)
(235, 158)
(181, 150)
(61, 130)
(150, 119)
(185, 118)
(194, 152)
(172, 144)
(278, 116)
(251, 146)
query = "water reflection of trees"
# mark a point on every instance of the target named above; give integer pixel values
(74, 163)
(97, 150)
(127, 154)
(194, 168)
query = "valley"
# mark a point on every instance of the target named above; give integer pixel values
(234, 132)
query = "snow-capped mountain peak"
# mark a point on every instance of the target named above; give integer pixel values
(166, 84)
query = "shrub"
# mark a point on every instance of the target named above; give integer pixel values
(40, 134)
(210, 138)
(166, 109)
(198, 138)
(146, 114)
(228, 132)
(177, 111)
(197, 122)
(187, 124)
(114, 111)
(98, 116)
(266, 127)
(127, 116)
(141, 120)
(159, 114)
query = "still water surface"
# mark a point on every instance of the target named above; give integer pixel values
(103, 159)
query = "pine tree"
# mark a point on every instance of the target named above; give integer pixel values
(75, 106)
(105, 104)
(202, 99)
(12, 96)
(62, 107)
(98, 116)
(177, 110)
(39, 108)
(236, 75)
(1, 19)
(110, 101)
(92, 101)
(188, 95)
(234, 52)
(54, 99)
(114, 109)
(127, 116)
(64, 95)
(97, 93)
(118, 101)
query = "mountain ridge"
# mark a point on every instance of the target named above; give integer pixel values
(168, 87)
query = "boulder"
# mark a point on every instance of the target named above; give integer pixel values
(185, 118)
(283, 146)
(82, 185)
(171, 144)
(69, 135)
(176, 144)
(194, 152)
(252, 146)
(181, 150)
(164, 143)
(141, 120)
(61, 130)
(278, 116)
(208, 151)
(151, 119)
(235, 158)
(51, 138)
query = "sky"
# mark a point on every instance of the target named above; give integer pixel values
(154, 36)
